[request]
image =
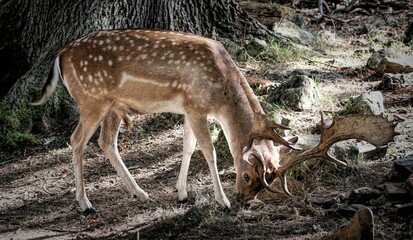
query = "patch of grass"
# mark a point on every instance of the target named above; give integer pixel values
(278, 53)
(379, 40)
(309, 175)
(349, 107)
(320, 46)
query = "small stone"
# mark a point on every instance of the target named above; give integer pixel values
(409, 184)
(344, 210)
(390, 81)
(358, 206)
(368, 151)
(396, 192)
(367, 103)
(256, 46)
(298, 93)
(404, 166)
(374, 61)
(328, 202)
(380, 201)
(360, 228)
(290, 30)
(346, 150)
(402, 64)
(234, 50)
(363, 194)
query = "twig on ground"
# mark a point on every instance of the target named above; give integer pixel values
(315, 61)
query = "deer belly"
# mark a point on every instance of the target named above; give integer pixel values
(173, 105)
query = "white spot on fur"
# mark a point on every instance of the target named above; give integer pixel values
(143, 56)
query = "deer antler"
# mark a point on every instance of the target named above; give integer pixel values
(374, 129)
(264, 129)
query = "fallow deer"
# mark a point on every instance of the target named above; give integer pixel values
(114, 72)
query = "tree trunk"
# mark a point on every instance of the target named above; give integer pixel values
(33, 31)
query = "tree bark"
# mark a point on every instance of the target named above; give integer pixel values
(33, 31)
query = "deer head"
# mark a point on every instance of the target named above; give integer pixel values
(374, 129)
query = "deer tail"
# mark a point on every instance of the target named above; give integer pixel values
(51, 83)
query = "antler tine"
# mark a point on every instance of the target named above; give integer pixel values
(264, 182)
(264, 129)
(374, 129)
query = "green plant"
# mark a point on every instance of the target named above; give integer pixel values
(14, 131)
(320, 46)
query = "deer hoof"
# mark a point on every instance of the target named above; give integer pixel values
(89, 211)
(185, 200)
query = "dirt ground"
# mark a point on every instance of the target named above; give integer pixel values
(37, 198)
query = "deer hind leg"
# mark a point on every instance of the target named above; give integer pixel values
(108, 142)
(188, 149)
(86, 127)
(199, 125)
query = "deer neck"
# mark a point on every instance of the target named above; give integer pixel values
(237, 122)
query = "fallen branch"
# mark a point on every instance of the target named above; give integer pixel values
(315, 61)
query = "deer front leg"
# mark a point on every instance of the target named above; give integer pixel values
(199, 125)
(188, 149)
(108, 142)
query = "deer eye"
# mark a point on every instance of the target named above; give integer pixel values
(246, 177)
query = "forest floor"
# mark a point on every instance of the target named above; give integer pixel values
(37, 183)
